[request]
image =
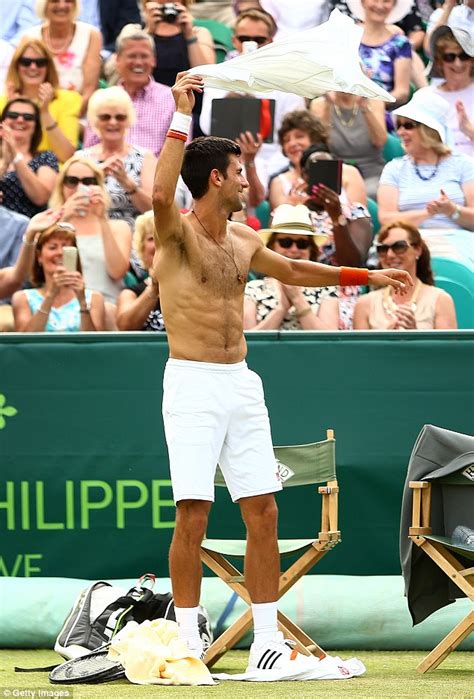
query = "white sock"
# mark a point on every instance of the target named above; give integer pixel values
(187, 620)
(265, 624)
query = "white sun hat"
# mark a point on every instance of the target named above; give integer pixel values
(428, 108)
(462, 25)
(292, 220)
(400, 10)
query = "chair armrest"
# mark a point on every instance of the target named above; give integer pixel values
(421, 509)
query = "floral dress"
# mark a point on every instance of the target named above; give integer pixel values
(264, 293)
(122, 206)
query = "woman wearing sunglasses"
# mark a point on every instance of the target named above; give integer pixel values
(29, 175)
(59, 300)
(430, 187)
(271, 305)
(75, 45)
(129, 170)
(424, 307)
(32, 74)
(452, 63)
(104, 244)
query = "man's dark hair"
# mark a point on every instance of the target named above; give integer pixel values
(203, 155)
(320, 147)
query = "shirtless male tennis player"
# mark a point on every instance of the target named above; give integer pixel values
(213, 405)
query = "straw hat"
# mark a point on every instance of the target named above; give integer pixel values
(430, 109)
(293, 220)
(398, 12)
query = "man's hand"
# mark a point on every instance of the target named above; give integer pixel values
(398, 278)
(183, 91)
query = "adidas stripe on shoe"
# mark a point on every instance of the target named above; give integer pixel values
(279, 654)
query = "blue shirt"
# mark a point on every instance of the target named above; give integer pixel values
(414, 192)
(16, 16)
(90, 13)
(12, 228)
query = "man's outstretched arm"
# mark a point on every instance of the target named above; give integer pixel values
(311, 274)
(167, 216)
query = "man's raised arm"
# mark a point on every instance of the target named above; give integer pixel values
(167, 216)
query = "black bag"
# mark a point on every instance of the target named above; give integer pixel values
(102, 610)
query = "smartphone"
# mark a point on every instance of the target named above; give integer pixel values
(70, 258)
(327, 172)
(84, 189)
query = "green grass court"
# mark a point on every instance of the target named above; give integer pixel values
(389, 674)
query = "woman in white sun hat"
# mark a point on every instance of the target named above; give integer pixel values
(455, 65)
(430, 186)
(271, 305)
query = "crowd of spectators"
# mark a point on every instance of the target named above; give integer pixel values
(85, 104)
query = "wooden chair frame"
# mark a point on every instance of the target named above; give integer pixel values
(327, 539)
(449, 564)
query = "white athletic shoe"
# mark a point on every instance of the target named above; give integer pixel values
(279, 654)
(195, 650)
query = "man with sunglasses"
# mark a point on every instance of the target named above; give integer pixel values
(258, 28)
(213, 405)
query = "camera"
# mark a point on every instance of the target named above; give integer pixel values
(170, 12)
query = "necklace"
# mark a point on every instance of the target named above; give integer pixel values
(350, 121)
(240, 278)
(430, 176)
(389, 305)
(64, 46)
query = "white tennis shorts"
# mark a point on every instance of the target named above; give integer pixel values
(216, 413)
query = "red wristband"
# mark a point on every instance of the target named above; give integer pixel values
(353, 276)
(177, 134)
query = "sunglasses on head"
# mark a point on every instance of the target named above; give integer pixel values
(27, 62)
(301, 243)
(398, 247)
(260, 40)
(407, 125)
(108, 117)
(16, 115)
(72, 181)
(450, 57)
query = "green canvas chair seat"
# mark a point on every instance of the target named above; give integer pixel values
(455, 546)
(298, 465)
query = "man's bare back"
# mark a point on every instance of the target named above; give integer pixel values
(201, 289)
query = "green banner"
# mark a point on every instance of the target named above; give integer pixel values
(84, 483)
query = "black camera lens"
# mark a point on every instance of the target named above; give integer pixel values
(170, 12)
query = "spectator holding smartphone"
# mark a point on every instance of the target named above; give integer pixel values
(59, 301)
(104, 244)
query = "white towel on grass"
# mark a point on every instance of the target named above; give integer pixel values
(311, 64)
(329, 668)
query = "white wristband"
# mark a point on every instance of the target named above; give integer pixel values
(181, 122)
(18, 158)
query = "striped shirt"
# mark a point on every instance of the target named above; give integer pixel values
(154, 107)
(414, 193)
